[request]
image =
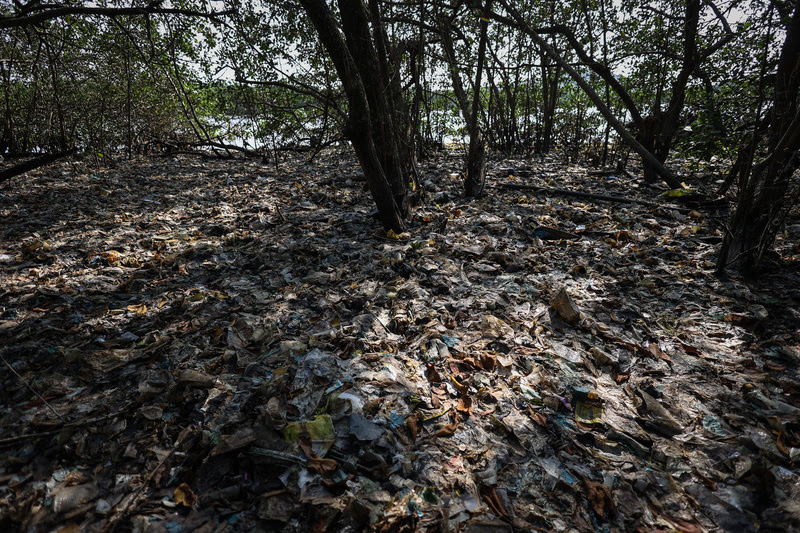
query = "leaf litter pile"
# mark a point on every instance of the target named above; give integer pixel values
(230, 346)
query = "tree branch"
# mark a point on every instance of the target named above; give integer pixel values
(36, 162)
(519, 21)
(299, 89)
(49, 12)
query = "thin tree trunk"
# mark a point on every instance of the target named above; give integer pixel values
(550, 89)
(629, 139)
(452, 65)
(476, 160)
(353, 59)
(773, 186)
(667, 122)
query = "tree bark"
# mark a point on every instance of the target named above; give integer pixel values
(455, 77)
(476, 157)
(369, 126)
(475, 179)
(31, 164)
(773, 185)
(667, 122)
(597, 100)
(549, 101)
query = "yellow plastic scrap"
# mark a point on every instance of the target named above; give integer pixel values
(435, 415)
(319, 430)
(588, 406)
(680, 193)
(587, 413)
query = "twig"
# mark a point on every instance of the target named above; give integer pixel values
(86, 422)
(112, 525)
(277, 456)
(281, 217)
(378, 320)
(14, 440)
(33, 390)
(591, 196)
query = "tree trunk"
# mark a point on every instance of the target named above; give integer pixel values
(549, 101)
(369, 126)
(596, 99)
(452, 66)
(475, 179)
(662, 132)
(773, 186)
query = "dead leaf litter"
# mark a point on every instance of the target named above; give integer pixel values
(231, 346)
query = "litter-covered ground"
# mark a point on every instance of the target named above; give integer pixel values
(201, 345)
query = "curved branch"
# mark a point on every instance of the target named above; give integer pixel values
(519, 21)
(299, 89)
(602, 70)
(50, 12)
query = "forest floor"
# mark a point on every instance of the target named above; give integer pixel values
(204, 345)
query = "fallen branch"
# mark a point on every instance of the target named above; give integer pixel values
(227, 147)
(112, 525)
(590, 196)
(41, 398)
(31, 164)
(28, 436)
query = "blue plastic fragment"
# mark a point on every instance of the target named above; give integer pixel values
(567, 477)
(449, 341)
(339, 476)
(173, 527)
(414, 508)
(335, 386)
(395, 419)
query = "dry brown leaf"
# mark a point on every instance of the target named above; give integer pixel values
(658, 353)
(691, 350)
(184, 495)
(432, 374)
(599, 497)
(539, 418)
(565, 306)
(449, 429)
(314, 461)
(488, 362)
(621, 376)
(464, 405)
(412, 425)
